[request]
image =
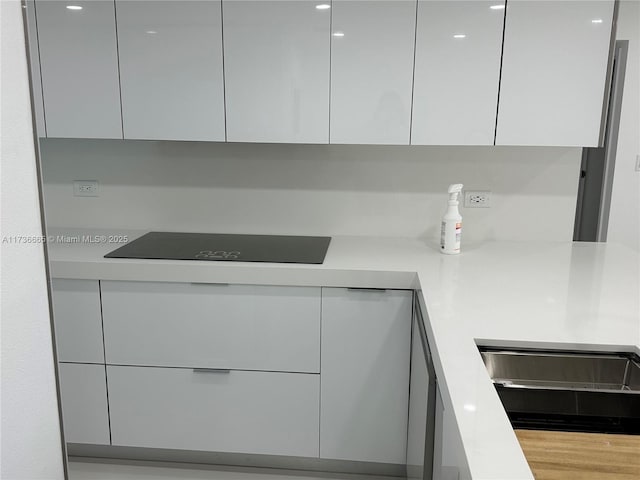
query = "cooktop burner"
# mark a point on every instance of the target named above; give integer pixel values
(225, 247)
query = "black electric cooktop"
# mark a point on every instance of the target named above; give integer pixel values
(225, 247)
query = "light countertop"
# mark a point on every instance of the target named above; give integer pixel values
(582, 296)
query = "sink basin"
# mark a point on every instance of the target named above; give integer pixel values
(634, 377)
(572, 391)
(572, 371)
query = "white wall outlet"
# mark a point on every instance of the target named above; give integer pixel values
(85, 188)
(637, 163)
(477, 199)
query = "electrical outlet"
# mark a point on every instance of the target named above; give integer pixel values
(477, 199)
(637, 163)
(85, 188)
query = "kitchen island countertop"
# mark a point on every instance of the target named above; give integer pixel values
(581, 296)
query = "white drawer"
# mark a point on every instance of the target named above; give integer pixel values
(240, 327)
(77, 319)
(83, 391)
(235, 411)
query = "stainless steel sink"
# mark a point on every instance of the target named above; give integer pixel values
(572, 371)
(634, 377)
(576, 391)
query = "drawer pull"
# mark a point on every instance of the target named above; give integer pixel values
(355, 289)
(211, 370)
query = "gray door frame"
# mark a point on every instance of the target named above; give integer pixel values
(598, 164)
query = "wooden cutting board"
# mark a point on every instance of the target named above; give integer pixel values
(581, 456)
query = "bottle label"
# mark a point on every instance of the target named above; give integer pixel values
(450, 235)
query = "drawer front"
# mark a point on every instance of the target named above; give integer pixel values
(77, 319)
(236, 411)
(203, 325)
(83, 391)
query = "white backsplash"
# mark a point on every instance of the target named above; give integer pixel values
(310, 189)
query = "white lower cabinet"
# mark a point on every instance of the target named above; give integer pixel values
(449, 456)
(366, 343)
(242, 327)
(83, 393)
(273, 370)
(78, 320)
(80, 351)
(225, 411)
(418, 408)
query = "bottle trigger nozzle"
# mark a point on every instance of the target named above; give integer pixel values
(454, 191)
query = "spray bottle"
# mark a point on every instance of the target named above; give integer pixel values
(452, 223)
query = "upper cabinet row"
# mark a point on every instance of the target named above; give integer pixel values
(425, 72)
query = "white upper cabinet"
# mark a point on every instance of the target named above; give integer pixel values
(276, 71)
(171, 69)
(457, 72)
(554, 72)
(372, 46)
(419, 72)
(79, 65)
(34, 65)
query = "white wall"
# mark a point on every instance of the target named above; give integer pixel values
(624, 217)
(30, 431)
(309, 189)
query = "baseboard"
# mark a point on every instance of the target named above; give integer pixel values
(199, 459)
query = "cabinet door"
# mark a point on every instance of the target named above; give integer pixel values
(219, 326)
(79, 67)
(366, 339)
(78, 320)
(554, 72)
(235, 411)
(276, 61)
(171, 69)
(421, 436)
(418, 396)
(457, 72)
(372, 71)
(83, 392)
(34, 65)
(449, 456)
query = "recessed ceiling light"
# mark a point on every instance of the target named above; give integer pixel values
(338, 34)
(151, 32)
(596, 20)
(74, 7)
(459, 35)
(497, 7)
(323, 6)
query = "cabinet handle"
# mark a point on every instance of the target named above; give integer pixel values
(211, 370)
(355, 289)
